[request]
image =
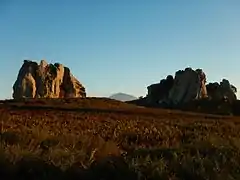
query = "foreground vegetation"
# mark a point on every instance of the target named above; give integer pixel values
(100, 138)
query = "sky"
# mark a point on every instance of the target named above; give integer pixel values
(121, 45)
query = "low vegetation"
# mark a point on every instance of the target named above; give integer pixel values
(96, 138)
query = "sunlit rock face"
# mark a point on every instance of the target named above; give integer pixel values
(45, 80)
(187, 85)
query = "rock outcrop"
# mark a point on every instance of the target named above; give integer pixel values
(188, 91)
(188, 85)
(46, 81)
(160, 91)
(223, 91)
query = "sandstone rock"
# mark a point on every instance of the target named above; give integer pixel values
(25, 85)
(46, 81)
(71, 87)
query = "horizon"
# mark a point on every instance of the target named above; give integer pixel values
(122, 46)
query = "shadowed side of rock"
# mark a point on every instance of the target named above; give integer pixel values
(46, 81)
(71, 87)
(160, 91)
(222, 91)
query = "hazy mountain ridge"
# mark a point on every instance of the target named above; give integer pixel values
(122, 97)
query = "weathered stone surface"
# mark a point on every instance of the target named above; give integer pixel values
(188, 91)
(46, 81)
(25, 85)
(71, 87)
(188, 85)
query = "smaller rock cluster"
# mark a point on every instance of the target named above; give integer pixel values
(224, 91)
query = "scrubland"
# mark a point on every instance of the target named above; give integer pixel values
(97, 138)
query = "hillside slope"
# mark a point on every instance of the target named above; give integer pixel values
(66, 138)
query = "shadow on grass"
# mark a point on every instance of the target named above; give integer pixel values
(33, 168)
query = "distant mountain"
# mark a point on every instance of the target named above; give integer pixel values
(122, 97)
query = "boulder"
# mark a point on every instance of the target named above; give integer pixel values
(160, 91)
(46, 81)
(223, 91)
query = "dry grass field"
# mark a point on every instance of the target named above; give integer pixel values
(97, 138)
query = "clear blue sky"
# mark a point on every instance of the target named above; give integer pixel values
(121, 45)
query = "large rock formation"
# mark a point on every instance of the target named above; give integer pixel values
(189, 85)
(186, 85)
(46, 81)
(188, 91)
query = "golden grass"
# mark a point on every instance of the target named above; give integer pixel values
(75, 137)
